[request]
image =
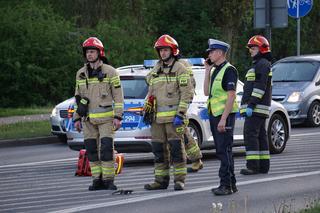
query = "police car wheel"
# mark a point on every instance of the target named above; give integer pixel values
(313, 119)
(277, 134)
(195, 132)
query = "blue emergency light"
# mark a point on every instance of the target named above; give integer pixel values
(193, 61)
(150, 63)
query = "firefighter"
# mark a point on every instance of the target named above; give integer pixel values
(191, 145)
(170, 93)
(220, 85)
(99, 98)
(255, 106)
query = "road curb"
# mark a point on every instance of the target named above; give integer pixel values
(29, 141)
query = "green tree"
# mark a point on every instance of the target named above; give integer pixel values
(38, 55)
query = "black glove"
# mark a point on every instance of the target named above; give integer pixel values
(82, 109)
(148, 118)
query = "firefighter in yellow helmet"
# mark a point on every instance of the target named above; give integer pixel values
(99, 98)
(170, 93)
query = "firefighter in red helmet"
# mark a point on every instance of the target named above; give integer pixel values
(191, 145)
(255, 104)
(170, 93)
(99, 99)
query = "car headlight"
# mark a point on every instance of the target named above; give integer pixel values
(295, 97)
(54, 112)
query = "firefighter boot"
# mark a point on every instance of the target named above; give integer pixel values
(156, 186)
(109, 185)
(178, 186)
(196, 166)
(97, 184)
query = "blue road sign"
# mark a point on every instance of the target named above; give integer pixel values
(299, 8)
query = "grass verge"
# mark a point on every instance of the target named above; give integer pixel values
(6, 112)
(25, 130)
(315, 209)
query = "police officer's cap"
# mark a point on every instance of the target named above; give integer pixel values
(216, 44)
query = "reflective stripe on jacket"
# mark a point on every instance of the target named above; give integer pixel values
(218, 96)
(257, 90)
(106, 96)
(173, 90)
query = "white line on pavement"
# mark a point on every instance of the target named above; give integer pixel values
(305, 134)
(38, 163)
(72, 159)
(170, 194)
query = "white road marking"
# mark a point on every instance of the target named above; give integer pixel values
(38, 163)
(305, 134)
(170, 194)
(74, 159)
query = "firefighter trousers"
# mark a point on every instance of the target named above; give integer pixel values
(223, 142)
(256, 142)
(98, 141)
(168, 144)
(192, 148)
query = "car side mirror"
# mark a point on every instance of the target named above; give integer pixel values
(317, 83)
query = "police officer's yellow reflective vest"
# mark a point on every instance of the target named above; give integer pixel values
(218, 96)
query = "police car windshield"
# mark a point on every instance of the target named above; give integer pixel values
(134, 87)
(294, 71)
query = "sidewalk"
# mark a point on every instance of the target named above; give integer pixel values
(24, 118)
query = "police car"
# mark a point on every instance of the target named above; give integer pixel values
(134, 135)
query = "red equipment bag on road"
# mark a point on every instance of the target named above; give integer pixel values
(83, 168)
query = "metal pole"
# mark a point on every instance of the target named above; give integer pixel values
(298, 37)
(298, 28)
(268, 20)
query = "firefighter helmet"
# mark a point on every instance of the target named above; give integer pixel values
(261, 42)
(167, 41)
(93, 43)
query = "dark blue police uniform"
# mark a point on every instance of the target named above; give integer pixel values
(224, 140)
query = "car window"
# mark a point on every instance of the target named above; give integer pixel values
(294, 71)
(134, 87)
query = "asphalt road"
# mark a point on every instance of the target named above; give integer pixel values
(40, 178)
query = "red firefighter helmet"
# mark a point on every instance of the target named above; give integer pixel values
(261, 42)
(93, 43)
(167, 41)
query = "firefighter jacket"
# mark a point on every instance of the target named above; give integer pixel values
(104, 93)
(173, 90)
(218, 96)
(257, 91)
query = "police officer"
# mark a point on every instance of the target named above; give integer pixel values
(255, 105)
(170, 92)
(220, 85)
(99, 98)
